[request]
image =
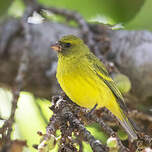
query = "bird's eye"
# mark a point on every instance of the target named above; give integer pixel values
(67, 44)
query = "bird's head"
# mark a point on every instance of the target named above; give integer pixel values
(69, 45)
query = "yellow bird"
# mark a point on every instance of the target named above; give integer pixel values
(86, 81)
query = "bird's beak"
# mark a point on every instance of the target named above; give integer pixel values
(56, 47)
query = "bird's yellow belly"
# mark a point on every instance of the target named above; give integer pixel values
(85, 90)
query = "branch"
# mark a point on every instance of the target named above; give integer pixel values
(140, 115)
(66, 118)
(70, 119)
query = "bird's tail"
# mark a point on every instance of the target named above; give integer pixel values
(125, 122)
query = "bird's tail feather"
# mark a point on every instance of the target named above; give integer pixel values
(124, 121)
(126, 124)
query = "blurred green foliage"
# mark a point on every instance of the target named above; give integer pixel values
(17, 8)
(4, 5)
(132, 14)
(96, 131)
(116, 10)
(143, 20)
(122, 135)
(29, 119)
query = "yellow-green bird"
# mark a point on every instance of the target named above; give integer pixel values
(86, 81)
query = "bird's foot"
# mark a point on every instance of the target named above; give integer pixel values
(91, 111)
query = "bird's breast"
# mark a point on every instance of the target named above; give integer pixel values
(82, 85)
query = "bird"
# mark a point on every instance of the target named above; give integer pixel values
(86, 81)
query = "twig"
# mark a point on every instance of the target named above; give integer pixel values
(88, 34)
(95, 144)
(50, 134)
(61, 108)
(79, 142)
(140, 115)
(18, 83)
(86, 30)
(109, 131)
(71, 15)
(106, 128)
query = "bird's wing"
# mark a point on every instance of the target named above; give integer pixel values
(103, 74)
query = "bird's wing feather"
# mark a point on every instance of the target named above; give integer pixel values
(103, 74)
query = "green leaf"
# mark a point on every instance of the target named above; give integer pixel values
(86, 147)
(43, 106)
(115, 11)
(16, 9)
(4, 5)
(122, 135)
(96, 131)
(29, 120)
(143, 19)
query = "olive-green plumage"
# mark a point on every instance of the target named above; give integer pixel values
(86, 81)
